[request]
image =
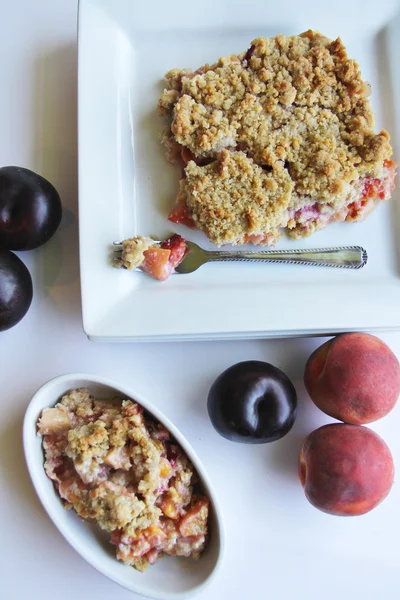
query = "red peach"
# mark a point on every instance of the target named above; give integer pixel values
(345, 470)
(354, 377)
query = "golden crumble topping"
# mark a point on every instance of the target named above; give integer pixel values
(116, 465)
(79, 403)
(234, 196)
(133, 250)
(296, 106)
(113, 507)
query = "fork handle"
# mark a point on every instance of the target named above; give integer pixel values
(346, 257)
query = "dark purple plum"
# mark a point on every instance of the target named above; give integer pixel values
(30, 209)
(252, 402)
(15, 289)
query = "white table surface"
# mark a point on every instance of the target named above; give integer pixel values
(278, 546)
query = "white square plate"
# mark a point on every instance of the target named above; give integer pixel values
(126, 185)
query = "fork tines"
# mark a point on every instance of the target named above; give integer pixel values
(117, 254)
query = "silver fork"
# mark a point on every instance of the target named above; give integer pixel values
(344, 257)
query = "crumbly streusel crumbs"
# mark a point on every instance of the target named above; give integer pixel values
(167, 101)
(233, 196)
(88, 446)
(150, 514)
(133, 250)
(113, 507)
(174, 78)
(244, 102)
(180, 490)
(78, 403)
(297, 102)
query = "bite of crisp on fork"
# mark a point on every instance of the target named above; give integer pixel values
(160, 259)
(157, 259)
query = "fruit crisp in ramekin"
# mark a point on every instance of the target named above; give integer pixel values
(114, 464)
